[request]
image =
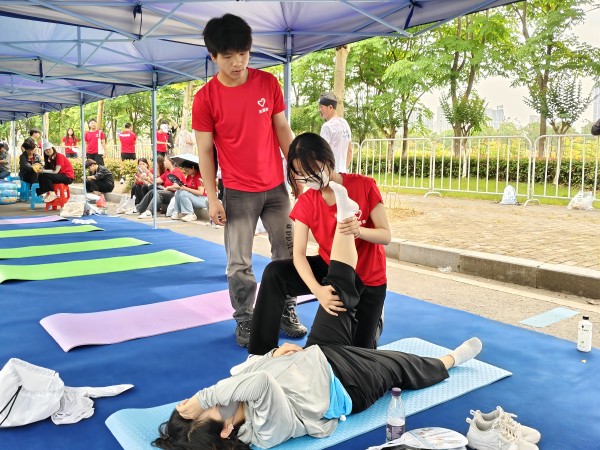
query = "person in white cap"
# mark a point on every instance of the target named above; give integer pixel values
(336, 132)
(57, 170)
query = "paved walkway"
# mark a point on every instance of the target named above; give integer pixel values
(548, 234)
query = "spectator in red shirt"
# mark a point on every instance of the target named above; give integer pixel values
(127, 138)
(162, 138)
(57, 170)
(69, 142)
(93, 138)
(167, 186)
(189, 195)
(241, 111)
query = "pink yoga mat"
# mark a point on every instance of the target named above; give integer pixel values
(42, 219)
(120, 325)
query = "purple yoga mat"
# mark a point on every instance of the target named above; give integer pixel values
(42, 219)
(120, 325)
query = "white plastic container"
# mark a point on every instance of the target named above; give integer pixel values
(584, 335)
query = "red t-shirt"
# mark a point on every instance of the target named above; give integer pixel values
(127, 139)
(240, 119)
(65, 165)
(91, 141)
(194, 182)
(311, 210)
(69, 143)
(162, 139)
(177, 172)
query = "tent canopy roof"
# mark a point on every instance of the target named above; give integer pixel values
(79, 51)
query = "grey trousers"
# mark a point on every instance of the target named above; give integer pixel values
(243, 210)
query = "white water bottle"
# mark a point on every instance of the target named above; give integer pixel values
(396, 419)
(584, 335)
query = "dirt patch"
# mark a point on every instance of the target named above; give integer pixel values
(400, 214)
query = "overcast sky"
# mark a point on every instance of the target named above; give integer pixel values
(497, 91)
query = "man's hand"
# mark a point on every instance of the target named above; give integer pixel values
(189, 408)
(329, 300)
(287, 349)
(217, 212)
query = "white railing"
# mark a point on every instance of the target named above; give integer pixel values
(580, 153)
(481, 164)
(396, 163)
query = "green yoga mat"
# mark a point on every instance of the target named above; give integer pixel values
(48, 231)
(74, 247)
(94, 266)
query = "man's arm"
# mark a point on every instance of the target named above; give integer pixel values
(349, 155)
(204, 142)
(284, 133)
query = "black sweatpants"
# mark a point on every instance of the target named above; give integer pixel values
(138, 191)
(48, 180)
(99, 186)
(164, 197)
(96, 157)
(366, 374)
(281, 280)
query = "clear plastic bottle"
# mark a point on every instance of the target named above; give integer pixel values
(396, 418)
(584, 335)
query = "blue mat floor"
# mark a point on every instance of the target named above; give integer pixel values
(551, 388)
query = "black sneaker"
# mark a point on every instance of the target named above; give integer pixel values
(290, 323)
(242, 333)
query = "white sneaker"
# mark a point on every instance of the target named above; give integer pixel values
(132, 212)
(50, 196)
(145, 215)
(189, 218)
(249, 361)
(122, 180)
(527, 433)
(176, 216)
(495, 435)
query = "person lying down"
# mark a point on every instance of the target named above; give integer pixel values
(293, 391)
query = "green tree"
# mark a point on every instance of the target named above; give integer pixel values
(548, 47)
(467, 49)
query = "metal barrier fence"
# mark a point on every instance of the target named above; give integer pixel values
(396, 163)
(485, 165)
(579, 153)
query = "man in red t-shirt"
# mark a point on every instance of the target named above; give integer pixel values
(127, 138)
(162, 138)
(241, 112)
(92, 138)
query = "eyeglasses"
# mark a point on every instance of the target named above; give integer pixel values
(305, 180)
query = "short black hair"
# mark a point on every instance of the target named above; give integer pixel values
(311, 152)
(34, 130)
(228, 33)
(92, 120)
(127, 125)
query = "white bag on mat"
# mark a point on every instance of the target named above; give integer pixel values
(28, 393)
(171, 207)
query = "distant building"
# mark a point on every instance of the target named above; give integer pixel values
(596, 103)
(441, 124)
(496, 116)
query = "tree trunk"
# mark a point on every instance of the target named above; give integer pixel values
(339, 76)
(100, 114)
(187, 105)
(46, 129)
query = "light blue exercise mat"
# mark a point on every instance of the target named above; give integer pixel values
(549, 317)
(135, 429)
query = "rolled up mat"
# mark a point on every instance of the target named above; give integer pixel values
(48, 231)
(26, 220)
(120, 325)
(74, 247)
(135, 429)
(69, 269)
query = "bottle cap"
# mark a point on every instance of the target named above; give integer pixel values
(396, 391)
(586, 317)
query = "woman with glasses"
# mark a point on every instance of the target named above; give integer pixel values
(311, 163)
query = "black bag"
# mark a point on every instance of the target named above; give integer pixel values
(596, 128)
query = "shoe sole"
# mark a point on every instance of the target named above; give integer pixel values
(294, 334)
